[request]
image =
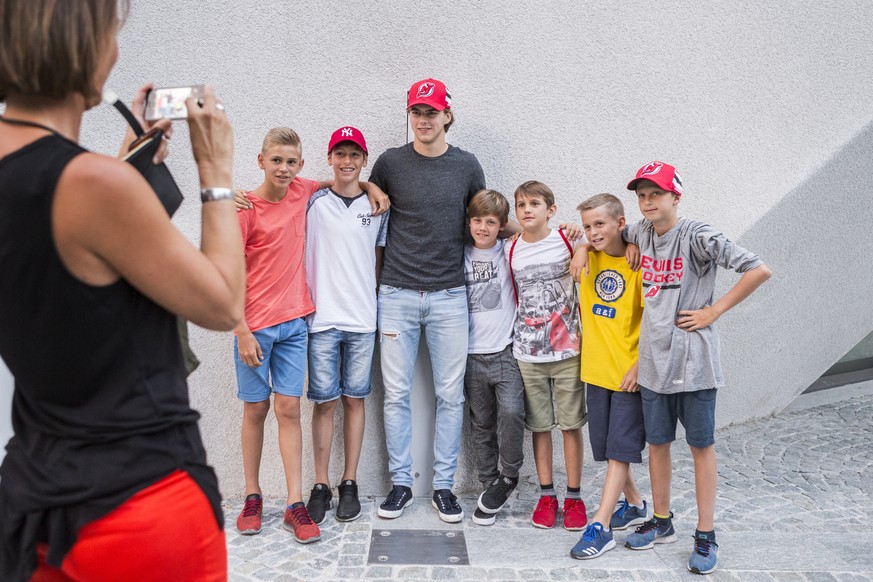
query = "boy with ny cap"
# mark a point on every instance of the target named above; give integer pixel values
(421, 289)
(679, 356)
(344, 243)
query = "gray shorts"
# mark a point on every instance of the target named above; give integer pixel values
(695, 410)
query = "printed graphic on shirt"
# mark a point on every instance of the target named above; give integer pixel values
(366, 219)
(483, 288)
(659, 275)
(546, 322)
(609, 286)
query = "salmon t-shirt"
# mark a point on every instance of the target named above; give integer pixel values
(273, 234)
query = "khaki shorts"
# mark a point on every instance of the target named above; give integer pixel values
(541, 382)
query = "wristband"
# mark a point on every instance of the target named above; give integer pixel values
(211, 194)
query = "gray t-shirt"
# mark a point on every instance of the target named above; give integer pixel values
(679, 270)
(426, 232)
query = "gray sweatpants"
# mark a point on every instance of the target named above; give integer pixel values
(495, 393)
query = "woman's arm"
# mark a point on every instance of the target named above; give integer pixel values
(108, 224)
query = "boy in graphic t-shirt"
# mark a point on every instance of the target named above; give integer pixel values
(546, 345)
(492, 382)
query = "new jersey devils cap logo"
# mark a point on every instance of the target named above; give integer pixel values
(425, 90)
(431, 92)
(652, 168)
(664, 175)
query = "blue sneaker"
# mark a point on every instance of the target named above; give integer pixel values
(594, 542)
(704, 558)
(654, 531)
(627, 515)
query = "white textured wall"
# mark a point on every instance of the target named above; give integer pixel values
(754, 103)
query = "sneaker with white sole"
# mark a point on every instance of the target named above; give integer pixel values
(654, 531)
(704, 557)
(482, 518)
(447, 505)
(594, 542)
(398, 499)
(627, 515)
(497, 494)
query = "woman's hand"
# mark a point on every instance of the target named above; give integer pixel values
(211, 140)
(138, 110)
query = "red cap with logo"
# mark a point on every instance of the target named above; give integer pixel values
(429, 92)
(347, 133)
(664, 175)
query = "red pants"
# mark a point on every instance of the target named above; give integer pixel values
(165, 532)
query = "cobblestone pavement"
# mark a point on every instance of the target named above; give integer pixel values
(793, 506)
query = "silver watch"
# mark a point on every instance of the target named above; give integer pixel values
(210, 194)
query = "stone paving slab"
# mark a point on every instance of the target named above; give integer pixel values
(793, 506)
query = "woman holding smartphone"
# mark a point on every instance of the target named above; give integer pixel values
(106, 476)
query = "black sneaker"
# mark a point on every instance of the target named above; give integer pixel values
(319, 502)
(399, 499)
(482, 518)
(497, 494)
(447, 504)
(349, 508)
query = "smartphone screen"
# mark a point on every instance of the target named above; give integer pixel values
(169, 102)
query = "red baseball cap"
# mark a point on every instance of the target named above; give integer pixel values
(429, 92)
(664, 175)
(347, 133)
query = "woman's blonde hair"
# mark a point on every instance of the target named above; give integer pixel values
(51, 48)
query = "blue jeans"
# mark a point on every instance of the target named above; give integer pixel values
(284, 366)
(403, 314)
(340, 363)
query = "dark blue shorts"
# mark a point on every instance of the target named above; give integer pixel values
(615, 425)
(695, 410)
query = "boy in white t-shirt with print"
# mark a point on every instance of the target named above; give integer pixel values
(492, 383)
(344, 243)
(546, 345)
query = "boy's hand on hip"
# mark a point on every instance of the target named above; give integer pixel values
(249, 350)
(692, 320)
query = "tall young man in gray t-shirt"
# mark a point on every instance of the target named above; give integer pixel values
(421, 288)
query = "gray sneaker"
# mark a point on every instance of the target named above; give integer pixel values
(704, 557)
(627, 515)
(654, 531)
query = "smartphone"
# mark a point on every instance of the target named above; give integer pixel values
(169, 102)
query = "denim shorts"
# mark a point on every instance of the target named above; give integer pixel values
(283, 368)
(695, 410)
(549, 386)
(340, 363)
(615, 425)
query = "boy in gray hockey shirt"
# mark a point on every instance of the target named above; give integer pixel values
(679, 359)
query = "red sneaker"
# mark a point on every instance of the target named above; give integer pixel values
(249, 520)
(546, 513)
(298, 522)
(574, 514)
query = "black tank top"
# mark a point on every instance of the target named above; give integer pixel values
(100, 407)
